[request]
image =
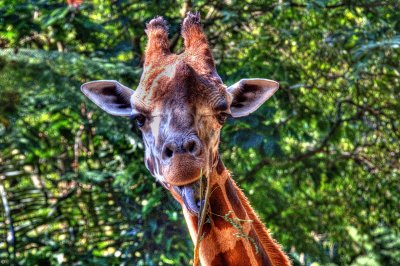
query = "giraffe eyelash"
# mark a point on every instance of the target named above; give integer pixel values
(140, 119)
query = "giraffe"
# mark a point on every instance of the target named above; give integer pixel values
(180, 106)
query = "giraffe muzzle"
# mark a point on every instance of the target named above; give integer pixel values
(183, 169)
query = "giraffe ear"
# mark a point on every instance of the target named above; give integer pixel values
(249, 94)
(109, 95)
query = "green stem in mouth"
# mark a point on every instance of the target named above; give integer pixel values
(202, 218)
(201, 199)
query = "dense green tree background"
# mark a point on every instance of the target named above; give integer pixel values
(319, 161)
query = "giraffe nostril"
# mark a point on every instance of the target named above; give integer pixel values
(168, 152)
(191, 146)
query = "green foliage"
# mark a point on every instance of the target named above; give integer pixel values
(319, 160)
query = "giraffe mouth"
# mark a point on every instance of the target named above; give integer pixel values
(191, 196)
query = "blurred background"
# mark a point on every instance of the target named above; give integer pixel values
(319, 161)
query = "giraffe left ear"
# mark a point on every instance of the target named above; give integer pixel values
(249, 94)
(109, 95)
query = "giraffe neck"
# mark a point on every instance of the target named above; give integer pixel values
(233, 234)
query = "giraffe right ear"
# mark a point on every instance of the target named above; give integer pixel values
(249, 94)
(109, 95)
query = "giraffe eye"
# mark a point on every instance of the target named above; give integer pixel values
(139, 119)
(221, 117)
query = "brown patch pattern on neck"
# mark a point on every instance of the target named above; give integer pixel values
(219, 207)
(220, 167)
(233, 257)
(234, 200)
(261, 255)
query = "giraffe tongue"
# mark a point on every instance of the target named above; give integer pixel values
(189, 200)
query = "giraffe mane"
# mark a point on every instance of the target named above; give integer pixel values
(273, 249)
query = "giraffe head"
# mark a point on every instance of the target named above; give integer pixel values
(180, 106)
